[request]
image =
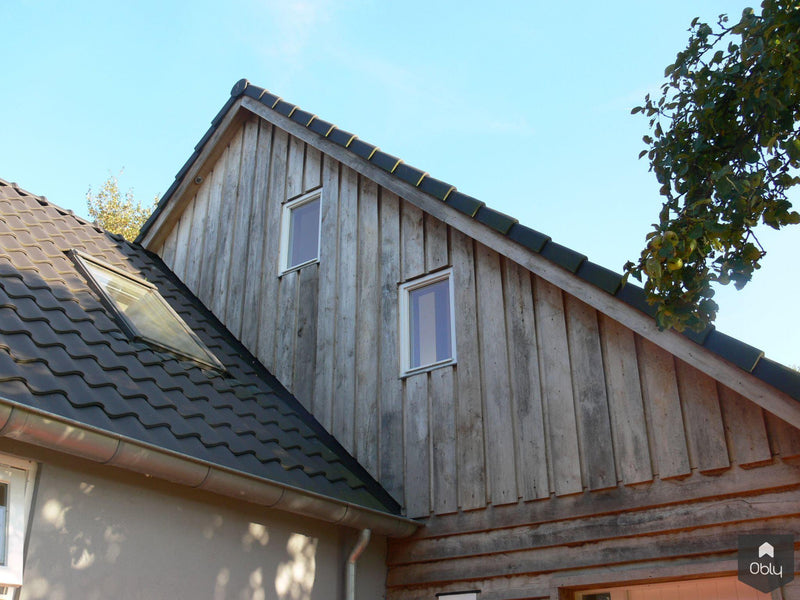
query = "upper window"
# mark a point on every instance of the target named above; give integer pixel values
(143, 312)
(16, 492)
(300, 231)
(427, 332)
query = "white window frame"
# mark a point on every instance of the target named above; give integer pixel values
(19, 475)
(471, 595)
(405, 322)
(286, 234)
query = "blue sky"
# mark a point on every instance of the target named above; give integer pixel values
(525, 105)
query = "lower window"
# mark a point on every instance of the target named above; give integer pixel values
(719, 588)
(16, 492)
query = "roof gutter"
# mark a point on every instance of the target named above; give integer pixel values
(45, 430)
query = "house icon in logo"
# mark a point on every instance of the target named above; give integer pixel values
(766, 549)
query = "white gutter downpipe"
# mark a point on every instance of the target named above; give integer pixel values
(350, 581)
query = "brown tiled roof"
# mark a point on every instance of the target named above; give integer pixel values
(737, 352)
(62, 352)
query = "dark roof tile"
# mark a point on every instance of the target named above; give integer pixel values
(495, 219)
(530, 238)
(635, 296)
(284, 108)
(341, 137)
(61, 352)
(785, 379)
(320, 126)
(385, 161)
(362, 148)
(742, 355)
(605, 279)
(463, 203)
(409, 174)
(436, 188)
(563, 256)
(301, 116)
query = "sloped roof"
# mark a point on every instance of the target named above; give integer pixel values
(745, 356)
(62, 353)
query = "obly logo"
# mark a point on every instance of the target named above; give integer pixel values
(766, 562)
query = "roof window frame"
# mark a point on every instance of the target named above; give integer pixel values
(127, 325)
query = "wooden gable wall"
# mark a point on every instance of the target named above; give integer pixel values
(549, 399)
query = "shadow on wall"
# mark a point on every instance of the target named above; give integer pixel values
(102, 539)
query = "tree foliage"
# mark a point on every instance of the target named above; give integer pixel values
(724, 146)
(115, 213)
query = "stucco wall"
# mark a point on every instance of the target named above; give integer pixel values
(98, 532)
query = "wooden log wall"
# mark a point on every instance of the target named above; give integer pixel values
(549, 399)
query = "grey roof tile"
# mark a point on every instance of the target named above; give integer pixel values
(61, 352)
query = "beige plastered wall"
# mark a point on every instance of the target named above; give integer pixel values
(97, 532)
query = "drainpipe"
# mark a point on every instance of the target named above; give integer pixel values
(350, 580)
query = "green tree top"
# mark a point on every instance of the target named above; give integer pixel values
(115, 213)
(724, 146)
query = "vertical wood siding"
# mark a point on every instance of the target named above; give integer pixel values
(548, 398)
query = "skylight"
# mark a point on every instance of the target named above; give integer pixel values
(143, 312)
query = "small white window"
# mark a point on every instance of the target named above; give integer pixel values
(427, 331)
(473, 595)
(16, 492)
(300, 231)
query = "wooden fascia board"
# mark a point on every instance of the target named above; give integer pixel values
(778, 403)
(210, 152)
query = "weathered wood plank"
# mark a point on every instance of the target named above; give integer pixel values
(391, 400)
(435, 243)
(344, 379)
(286, 326)
(368, 326)
(286, 329)
(498, 424)
(588, 383)
(469, 410)
(182, 237)
(305, 356)
(168, 249)
(712, 540)
(705, 430)
(417, 439)
(412, 241)
(554, 367)
(268, 313)
(210, 251)
(631, 448)
(745, 429)
(235, 310)
(312, 172)
(622, 499)
(294, 168)
(326, 320)
(196, 258)
(526, 392)
(785, 439)
(443, 437)
(227, 221)
(629, 524)
(663, 410)
(256, 253)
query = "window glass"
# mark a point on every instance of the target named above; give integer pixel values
(304, 233)
(147, 313)
(429, 323)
